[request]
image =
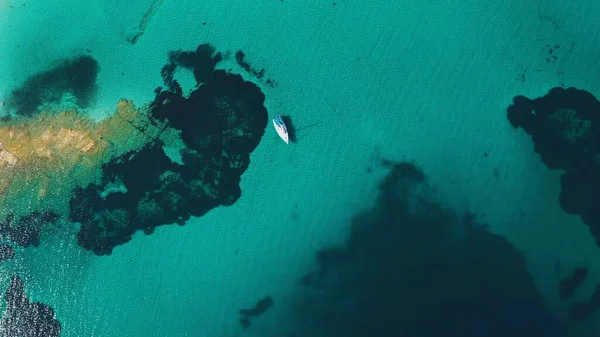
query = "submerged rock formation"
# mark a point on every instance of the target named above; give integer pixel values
(569, 284)
(584, 309)
(75, 77)
(261, 306)
(154, 7)
(564, 126)
(26, 319)
(411, 267)
(27, 230)
(6, 253)
(216, 128)
(176, 157)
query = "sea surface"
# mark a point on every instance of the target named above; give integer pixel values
(407, 204)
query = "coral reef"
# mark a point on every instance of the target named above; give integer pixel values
(218, 125)
(201, 62)
(240, 59)
(176, 157)
(565, 128)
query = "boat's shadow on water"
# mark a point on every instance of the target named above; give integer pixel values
(290, 128)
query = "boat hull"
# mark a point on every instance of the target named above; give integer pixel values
(281, 129)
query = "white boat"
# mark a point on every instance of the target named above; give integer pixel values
(281, 129)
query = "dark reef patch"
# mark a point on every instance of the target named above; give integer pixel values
(221, 123)
(411, 267)
(6, 253)
(201, 62)
(584, 309)
(262, 306)
(76, 76)
(25, 319)
(154, 7)
(569, 284)
(565, 128)
(240, 58)
(27, 230)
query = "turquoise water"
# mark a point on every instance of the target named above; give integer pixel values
(425, 82)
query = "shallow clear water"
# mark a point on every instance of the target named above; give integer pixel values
(341, 237)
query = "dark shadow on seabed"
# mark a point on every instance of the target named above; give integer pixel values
(564, 126)
(220, 123)
(411, 267)
(25, 318)
(76, 76)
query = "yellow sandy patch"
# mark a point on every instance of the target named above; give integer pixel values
(43, 158)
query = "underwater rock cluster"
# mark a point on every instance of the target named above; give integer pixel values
(218, 125)
(26, 319)
(201, 62)
(564, 126)
(178, 156)
(579, 309)
(411, 267)
(150, 12)
(6, 253)
(27, 230)
(76, 77)
(262, 306)
(569, 284)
